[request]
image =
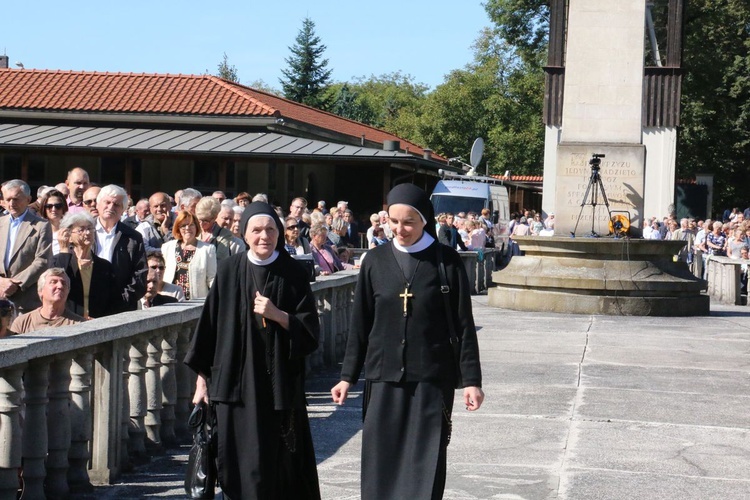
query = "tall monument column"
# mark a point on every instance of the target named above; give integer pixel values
(601, 113)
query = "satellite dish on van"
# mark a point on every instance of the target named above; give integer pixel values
(477, 150)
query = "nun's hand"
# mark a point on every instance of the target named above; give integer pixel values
(263, 306)
(340, 392)
(473, 398)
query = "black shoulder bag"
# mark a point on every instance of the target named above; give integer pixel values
(200, 478)
(455, 340)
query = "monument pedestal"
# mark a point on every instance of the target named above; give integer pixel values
(599, 276)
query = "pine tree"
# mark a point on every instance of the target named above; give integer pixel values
(307, 78)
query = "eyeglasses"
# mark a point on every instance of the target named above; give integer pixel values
(56, 206)
(160, 268)
(88, 203)
(81, 230)
(185, 227)
(293, 227)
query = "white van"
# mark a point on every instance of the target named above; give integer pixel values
(460, 193)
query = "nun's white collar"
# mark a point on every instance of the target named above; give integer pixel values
(425, 241)
(262, 262)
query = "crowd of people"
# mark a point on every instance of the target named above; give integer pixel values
(119, 255)
(729, 237)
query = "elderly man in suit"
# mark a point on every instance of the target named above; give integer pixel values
(26, 243)
(122, 246)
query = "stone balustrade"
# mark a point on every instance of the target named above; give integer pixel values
(479, 268)
(81, 404)
(723, 275)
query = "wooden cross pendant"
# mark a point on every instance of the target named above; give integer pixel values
(406, 296)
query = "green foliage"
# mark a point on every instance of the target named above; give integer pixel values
(307, 78)
(392, 102)
(715, 124)
(498, 97)
(228, 72)
(523, 24)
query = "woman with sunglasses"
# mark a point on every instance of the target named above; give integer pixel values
(91, 277)
(53, 207)
(292, 241)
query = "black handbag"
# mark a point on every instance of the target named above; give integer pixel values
(455, 340)
(200, 478)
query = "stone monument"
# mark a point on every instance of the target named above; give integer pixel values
(602, 112)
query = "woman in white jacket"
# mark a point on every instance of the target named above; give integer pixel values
(190, 263)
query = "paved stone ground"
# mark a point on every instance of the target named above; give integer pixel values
(578, 407)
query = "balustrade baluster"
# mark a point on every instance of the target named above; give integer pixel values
(36, 384)
(58, 429)
(125, 446)
(185, 380)
(169, 386)
(11, 387)
(80, 419)
(138, 400)
(154, 394)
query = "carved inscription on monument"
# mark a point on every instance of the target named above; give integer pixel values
(621, 173)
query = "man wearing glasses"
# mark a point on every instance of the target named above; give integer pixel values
(157, 291)
(296, 209)
(89, 200)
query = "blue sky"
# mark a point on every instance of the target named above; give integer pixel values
(424, 38)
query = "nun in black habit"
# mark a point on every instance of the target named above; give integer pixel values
(258, 324)
(399, 334)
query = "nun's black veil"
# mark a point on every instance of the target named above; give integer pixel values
(417, 198)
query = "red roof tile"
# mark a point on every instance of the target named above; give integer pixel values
(204, 95)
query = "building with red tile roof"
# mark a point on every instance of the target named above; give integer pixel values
(152, 132)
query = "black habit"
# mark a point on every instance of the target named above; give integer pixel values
(404, 346)
(256, 377)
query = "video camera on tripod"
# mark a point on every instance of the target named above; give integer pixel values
(596, 161)
(619, 224)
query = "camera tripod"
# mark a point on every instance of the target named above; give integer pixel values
(595, 187)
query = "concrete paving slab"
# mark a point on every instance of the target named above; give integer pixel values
(661, 449)
(545, 401)
(668, 357)
(665, 379)
(608, 485)
(718, 410)
(474, 481)
(535, 374)
(491, 438)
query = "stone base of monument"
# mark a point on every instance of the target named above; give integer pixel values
(599, 276)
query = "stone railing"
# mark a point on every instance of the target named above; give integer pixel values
(81, 404)
(723, 275)
(479, 267)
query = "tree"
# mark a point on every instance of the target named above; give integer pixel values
(307, 78)
(498, 97)
(715, 126)
(227, 72)
(391, 101)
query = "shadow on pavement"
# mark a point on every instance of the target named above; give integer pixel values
(332, 426)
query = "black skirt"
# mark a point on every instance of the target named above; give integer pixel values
(404, 440)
